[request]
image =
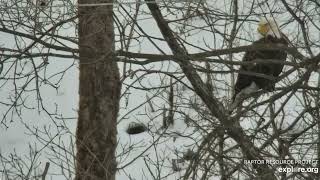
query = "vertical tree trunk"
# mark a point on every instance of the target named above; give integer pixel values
(99, 93)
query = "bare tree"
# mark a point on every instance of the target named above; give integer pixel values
(178, 62)
(99, 93)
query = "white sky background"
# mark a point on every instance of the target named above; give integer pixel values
(17, 137)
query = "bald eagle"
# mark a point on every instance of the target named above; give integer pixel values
(248, 80)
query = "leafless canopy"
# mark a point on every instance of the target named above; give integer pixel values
(178, 63)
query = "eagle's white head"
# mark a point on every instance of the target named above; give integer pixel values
(267, 26)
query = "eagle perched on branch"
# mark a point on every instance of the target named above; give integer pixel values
(254, 76)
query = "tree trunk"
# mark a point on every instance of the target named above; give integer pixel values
(99, 94)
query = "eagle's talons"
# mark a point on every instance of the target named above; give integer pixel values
(240, 98)
(237, 103)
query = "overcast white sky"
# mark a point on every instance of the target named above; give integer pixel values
(17, 137)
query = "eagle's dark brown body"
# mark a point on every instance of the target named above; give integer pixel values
(246, 72)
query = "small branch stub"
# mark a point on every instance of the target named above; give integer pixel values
(45, 172)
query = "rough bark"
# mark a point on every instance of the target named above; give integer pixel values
(99, 92)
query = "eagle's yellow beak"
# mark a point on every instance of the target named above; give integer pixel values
(263, 29)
